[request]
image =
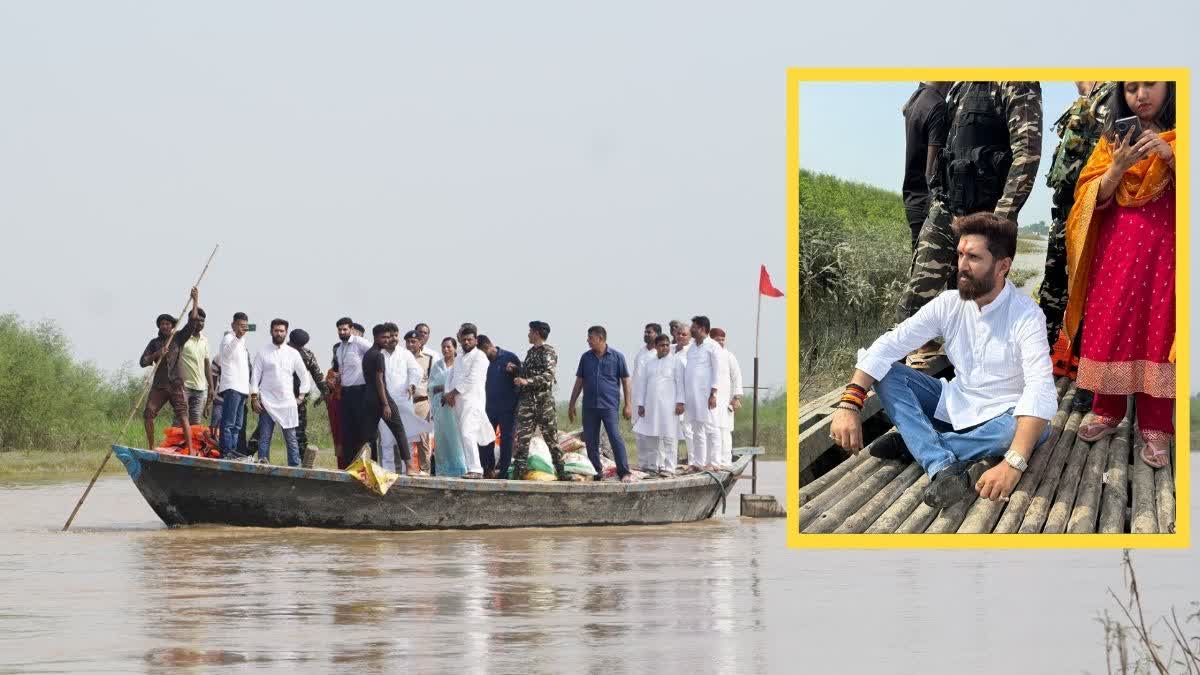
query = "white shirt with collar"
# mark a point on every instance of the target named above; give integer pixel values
(349, 357)
(234, 360)
(999, 352)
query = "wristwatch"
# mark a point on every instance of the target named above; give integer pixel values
(1016, 461)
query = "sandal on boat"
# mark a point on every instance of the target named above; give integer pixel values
(1094, 427)
(1155, 452)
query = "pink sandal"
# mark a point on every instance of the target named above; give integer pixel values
(1155, 451)
(1095, 427)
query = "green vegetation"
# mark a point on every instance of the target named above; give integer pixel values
(855, 254)
(1019, 277)
(1038, 230)
(1025, 245)
(58, 417)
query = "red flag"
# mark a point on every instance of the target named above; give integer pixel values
(764, 284)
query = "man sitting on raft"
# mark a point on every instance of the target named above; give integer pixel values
(1003, 393)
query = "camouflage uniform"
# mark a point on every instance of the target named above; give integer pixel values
(935, 262)
(1079, 129)
(535, 408)
(314, 370)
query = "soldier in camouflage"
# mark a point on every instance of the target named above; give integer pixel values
(1079, 130)
(535, 403)
(994, 125)
(298, 341)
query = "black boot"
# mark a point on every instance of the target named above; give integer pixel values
(950, 486)
(891, 446)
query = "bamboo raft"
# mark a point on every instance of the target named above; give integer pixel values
(1071, 486)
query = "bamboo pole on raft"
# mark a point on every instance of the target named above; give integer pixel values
(142, 397)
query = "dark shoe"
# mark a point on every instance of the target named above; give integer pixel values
(1083, 401)
(891, 446)
(518, 472)
(950, 486)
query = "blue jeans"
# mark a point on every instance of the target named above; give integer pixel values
(266, 428)
(910, 399)
(233, 418)
(592, 419)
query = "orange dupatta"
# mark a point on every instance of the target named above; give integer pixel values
(1143, 182)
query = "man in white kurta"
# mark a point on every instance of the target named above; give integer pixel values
(731, 379)
(401, 374)
(271, 393)
(658, 387)
(646, 353)
(465, 393)
(680, 349)
(701, 382)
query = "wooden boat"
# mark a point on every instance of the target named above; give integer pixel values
(187, 490)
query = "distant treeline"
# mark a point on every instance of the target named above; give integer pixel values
(50, 401)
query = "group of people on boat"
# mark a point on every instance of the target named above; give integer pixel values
(446, 412)
(1107, 302)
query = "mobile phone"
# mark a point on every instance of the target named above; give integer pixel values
(250, 328)
(1123, 125)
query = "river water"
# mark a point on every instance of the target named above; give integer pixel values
(121, 593)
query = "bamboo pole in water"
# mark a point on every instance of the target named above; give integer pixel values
(1068, 487)
(1164, 498)
(837, 513)
(815, 488)
(1021, 499)
(1115, 497)
(984, 514)
(1086, 513)
(918, 520)
(814, 508)
(142, 397)
(1143, 519)
(873, 509)
(898, 512)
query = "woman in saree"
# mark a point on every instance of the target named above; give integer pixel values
(1121, 257)
(447, 448)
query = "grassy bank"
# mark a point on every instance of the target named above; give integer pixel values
(59, 417)
(855, 253)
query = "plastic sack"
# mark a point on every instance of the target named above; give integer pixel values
(539, 457)
(578, 463)
(569, 443)
(375, 477)
(540, 475)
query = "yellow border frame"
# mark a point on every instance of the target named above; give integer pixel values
(1182, 535)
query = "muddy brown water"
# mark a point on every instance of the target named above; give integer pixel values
(122, 593)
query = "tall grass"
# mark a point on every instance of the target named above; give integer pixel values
(855, 255)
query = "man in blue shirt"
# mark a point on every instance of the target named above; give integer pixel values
(602, 376)
(501, 406)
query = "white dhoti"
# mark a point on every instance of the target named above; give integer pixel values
(656, 453)
(707, 441)
(414, 427)
(475, 431)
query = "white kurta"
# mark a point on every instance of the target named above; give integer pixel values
(640, 358)
(700, 377)
(235, 364)
(349, 358)
(401, 371)
(723, 415)
(468, 378)
(657, 387)
(274, 366)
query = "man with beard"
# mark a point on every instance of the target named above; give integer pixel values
(298, 340)
(347, 366)
(382, 410)
(163, 352)
(272, 396)
(466, 394)
(1003, 393)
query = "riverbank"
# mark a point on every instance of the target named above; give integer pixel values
(50, 464)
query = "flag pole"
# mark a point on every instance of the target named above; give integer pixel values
(754, 413)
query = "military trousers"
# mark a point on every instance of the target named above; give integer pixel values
(935, 262)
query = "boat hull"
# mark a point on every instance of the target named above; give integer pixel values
(186, 490)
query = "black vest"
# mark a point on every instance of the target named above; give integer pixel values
(974, 164)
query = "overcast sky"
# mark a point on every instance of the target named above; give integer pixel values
(489, 162)
(395, 164)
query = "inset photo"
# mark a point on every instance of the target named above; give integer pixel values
(993, 308)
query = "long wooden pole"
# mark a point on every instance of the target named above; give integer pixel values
(142, 397)
(754, 414)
